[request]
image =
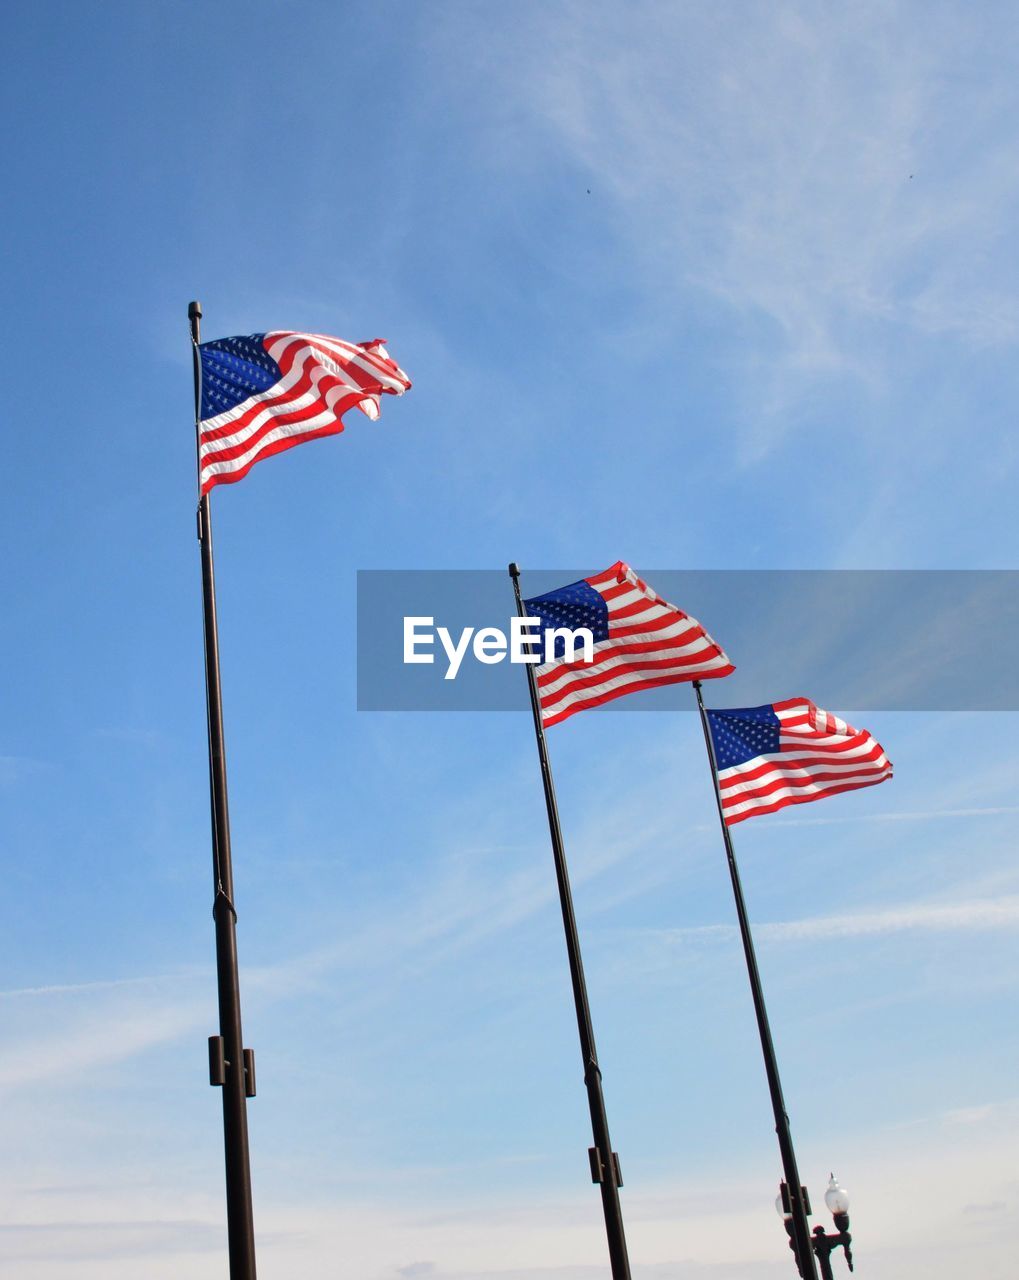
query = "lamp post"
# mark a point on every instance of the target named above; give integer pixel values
(837, 1200)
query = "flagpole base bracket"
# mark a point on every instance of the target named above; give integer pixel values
(218, 1065)
(217, 1060)
(249, 1073)
(598, 1166)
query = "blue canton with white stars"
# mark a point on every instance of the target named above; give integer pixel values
(577, 605)
(741, 733)
(234, 369)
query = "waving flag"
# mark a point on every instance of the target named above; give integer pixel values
(788, 753)
(640, 641)
(267, 392)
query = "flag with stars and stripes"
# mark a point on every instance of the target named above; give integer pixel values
(640, 641)
(788, 753)
(266, 392)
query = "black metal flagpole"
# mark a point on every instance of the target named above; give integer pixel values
(797, 1205)
(604, 1161)
(230, 1065)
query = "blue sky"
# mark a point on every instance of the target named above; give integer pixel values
(701, 289)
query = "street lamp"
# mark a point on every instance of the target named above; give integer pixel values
(837, 1200)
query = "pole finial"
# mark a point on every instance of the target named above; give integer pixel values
(194, 310)
(514, 569)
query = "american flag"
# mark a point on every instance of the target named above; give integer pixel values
(640, 641)
(266, 392)
(788, 753)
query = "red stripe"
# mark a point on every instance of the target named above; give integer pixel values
(314, 380)
(278, 415)
(784, 780)
(652, 625)
(617, 589)
(639, 606)
(579, 680)
(643, 606)
(285, 396)
(775, 805)
(276, 407)
(302, 387)
(278, 419)
(786, 703)
(768, 766)
(628, 668)
(612, 574)
(633, 636)
(385, 365)
(866, 760)
(303, 343)
(630, 688)
(277, 446)
(603, 656)
(815, 742)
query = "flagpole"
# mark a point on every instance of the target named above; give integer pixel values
(802, 1247)
(604, 1161)
(230, 1065)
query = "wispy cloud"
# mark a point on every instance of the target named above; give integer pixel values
(979, 915)
(915, 815)
(14, 769)
(460, 901)
(76, 1241)
(705, 1223)
(970, 1115)
(99, 984)
(474, 894)
(999, 914)
(113, 1034)
(807, 167)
